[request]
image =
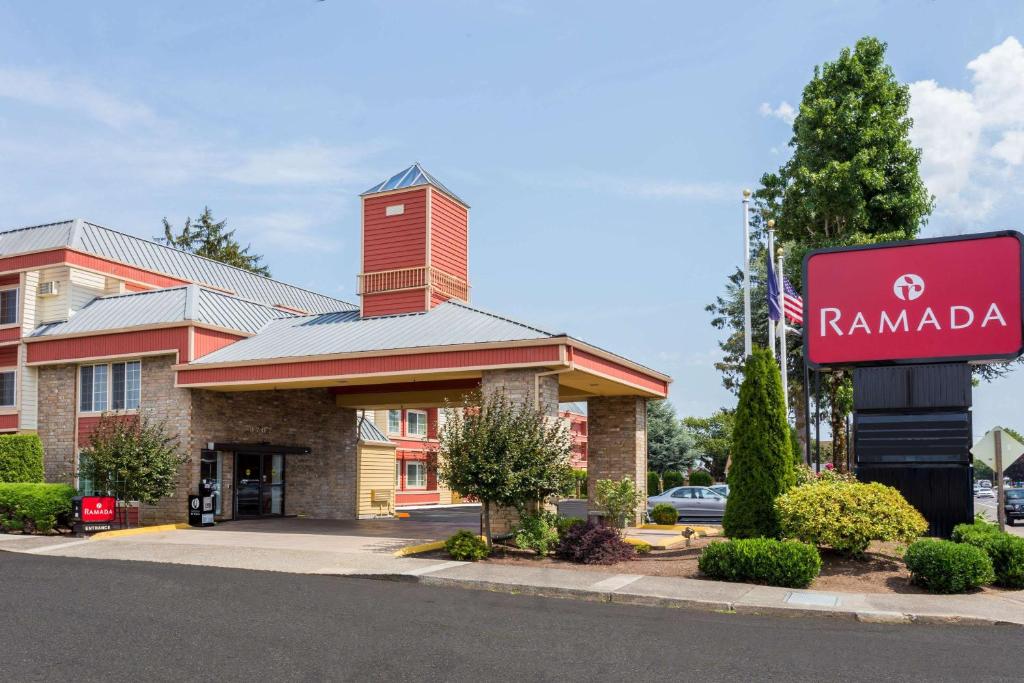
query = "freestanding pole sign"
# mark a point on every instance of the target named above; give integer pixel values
(909, 318)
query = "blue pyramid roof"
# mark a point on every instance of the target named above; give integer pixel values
(413, 176)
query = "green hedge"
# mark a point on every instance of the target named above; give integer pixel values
(34, 507)
(701, 478)
(790, 564)
(948, 567)
(671, 479)
(465, 545)
(21, 458)
(1005, 551)
(663, 513)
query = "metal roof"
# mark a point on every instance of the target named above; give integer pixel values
(159, 306)
(332, 333)
(576, 408)
(414, 176)
(369, 431)
(119, 246)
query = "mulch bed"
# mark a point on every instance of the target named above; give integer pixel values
(880, 571)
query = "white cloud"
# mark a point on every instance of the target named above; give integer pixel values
(41, 88)
(972, 141)
(784, 112)
(299, 164)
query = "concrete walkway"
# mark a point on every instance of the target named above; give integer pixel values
(373, 557)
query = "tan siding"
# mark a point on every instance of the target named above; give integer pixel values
(51, 308)
(375, 471)
(85, 286)
(28, 393)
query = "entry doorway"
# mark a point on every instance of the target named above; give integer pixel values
(259, 485)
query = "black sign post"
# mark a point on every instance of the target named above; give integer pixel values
(200, 510)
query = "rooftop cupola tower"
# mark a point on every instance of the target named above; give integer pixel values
(415, 247)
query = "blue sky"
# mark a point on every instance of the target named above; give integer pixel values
(602, 146)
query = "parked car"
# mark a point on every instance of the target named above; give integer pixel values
(692, 502)
(985, 493)
(721, 489)
(1013, 505)
(984, 483)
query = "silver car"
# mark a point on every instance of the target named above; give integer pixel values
(692, 502)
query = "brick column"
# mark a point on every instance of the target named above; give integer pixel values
(521, 386)
(617, 442)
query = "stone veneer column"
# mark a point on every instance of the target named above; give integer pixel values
(161, 401)
(56, 425)
(521, 386)
(616, 442)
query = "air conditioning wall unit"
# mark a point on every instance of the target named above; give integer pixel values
(51, 288)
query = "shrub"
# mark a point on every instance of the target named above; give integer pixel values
(848, 516)
(21, 458)
(1005, 551)
(701, 478)
(947, 567)
(619, 499)
(789, 564)
(575, 485)
(465, 545)
(641, 547)
(653, 484)
(663, 513)
(34, 507)
(594, 543)
(563, 524)
(762, 464)
(672, 479)
(538, 533)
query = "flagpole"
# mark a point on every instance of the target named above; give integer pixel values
(783, 355)
(746, 274)
(771, 323)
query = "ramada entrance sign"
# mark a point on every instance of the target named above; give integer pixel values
(950, 299)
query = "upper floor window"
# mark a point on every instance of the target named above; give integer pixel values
(416, 423)
(7, 384)
(394, 421)
(8, 306)
(110, 386)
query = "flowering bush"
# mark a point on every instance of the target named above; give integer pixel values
(593, 543)
(847, 516)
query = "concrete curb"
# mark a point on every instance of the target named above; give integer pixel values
(116, 533)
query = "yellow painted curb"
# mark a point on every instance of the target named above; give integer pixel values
(680, 528)
(117, 533)
(421, 548)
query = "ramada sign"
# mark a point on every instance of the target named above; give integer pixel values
(98, 508)
(944, 299)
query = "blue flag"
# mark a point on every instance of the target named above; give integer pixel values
(774, 312)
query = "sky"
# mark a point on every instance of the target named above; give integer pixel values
(602, 146)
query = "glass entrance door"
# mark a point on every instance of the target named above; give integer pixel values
(259, 484)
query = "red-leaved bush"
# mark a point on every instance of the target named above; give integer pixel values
(593, 543)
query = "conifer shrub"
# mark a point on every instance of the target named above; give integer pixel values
(948, 567)
(653, 484)
(762, 464)
(701, 478)
(672, 479)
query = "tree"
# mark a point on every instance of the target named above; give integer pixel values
(669, 446)
(210, 238)
(854, 175)
(503, 454)
(762, 464)
(133, 457)
(712, 437)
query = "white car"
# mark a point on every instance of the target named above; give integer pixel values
(984, 493)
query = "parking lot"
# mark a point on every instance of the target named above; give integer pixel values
(987, 507)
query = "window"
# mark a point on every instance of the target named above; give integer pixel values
(394, 422)
(415, 475)
(7, 388)
(116, 386)
(8, 306)
(416, 423)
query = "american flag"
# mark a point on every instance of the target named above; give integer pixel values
(792, 304)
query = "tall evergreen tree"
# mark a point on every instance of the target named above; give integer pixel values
(669, 446)
(211, 238)
(762, 461)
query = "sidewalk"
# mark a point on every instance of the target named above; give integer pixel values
(374, 557)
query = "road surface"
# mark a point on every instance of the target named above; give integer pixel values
(96, 620)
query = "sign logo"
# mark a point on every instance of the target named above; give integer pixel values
(195, 503)
(908, 287)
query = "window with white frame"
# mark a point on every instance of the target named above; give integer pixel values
(394, 422)
(8, 306)
(7, 391)
(416, 423)
(110, 386)
(415, 474)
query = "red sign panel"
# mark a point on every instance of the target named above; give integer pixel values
(98, 508)
(943, 299)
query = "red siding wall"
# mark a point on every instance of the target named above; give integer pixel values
(616, 371)
(100, 346)
(10, 334)
(372, 365)
(10, 279)
(8, 356)
(406, 301)
(8, 422)
(391, 242)
(449, 235)
(208, 341)
(87, 425)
